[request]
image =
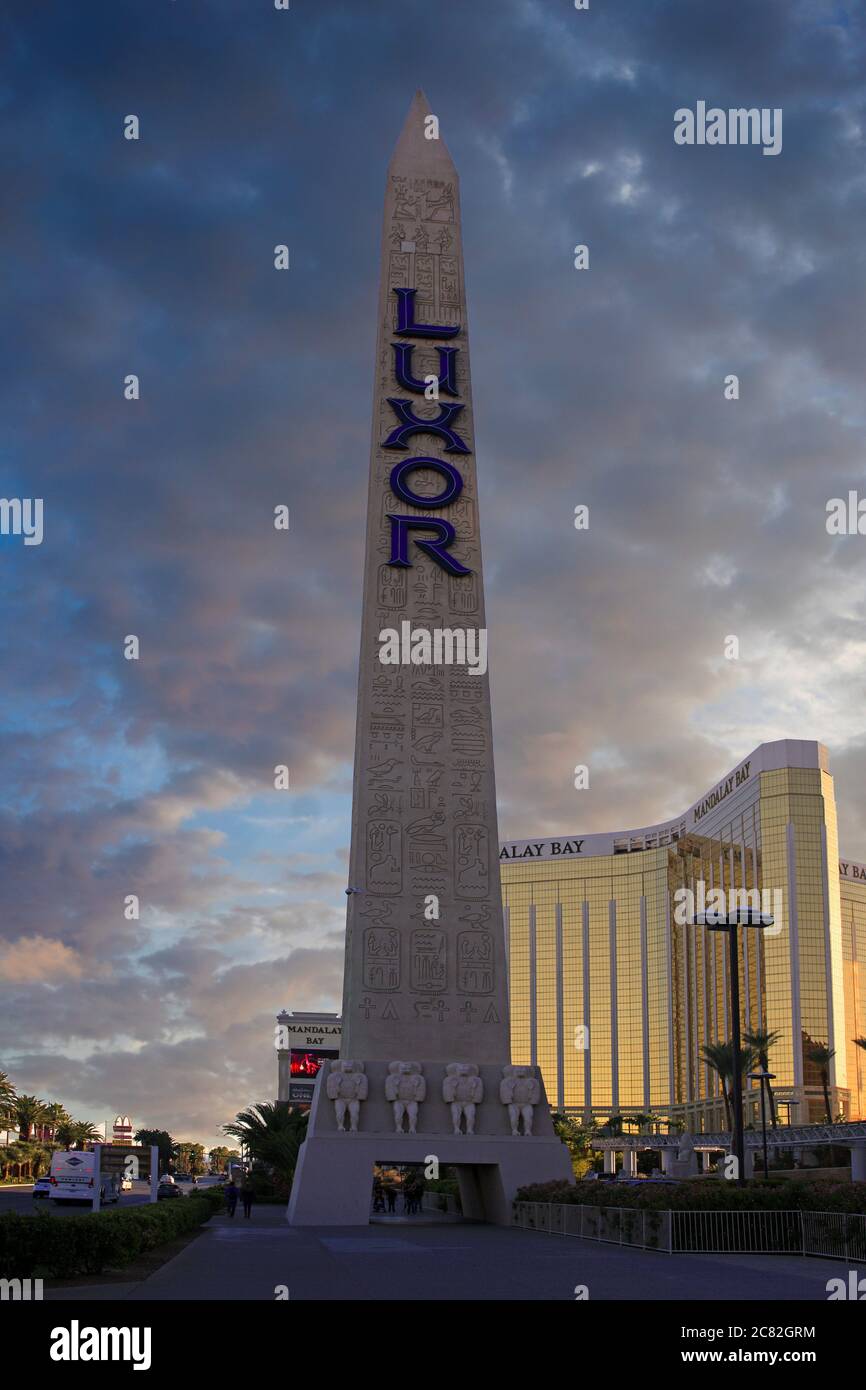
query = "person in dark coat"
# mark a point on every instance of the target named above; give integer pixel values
(247, 1195)
(231, 1197)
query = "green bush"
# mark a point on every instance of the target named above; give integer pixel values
(62, 1249)
(707, 1195)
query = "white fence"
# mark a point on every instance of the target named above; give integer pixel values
(832, 1235)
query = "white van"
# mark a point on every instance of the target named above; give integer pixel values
(72, 1176)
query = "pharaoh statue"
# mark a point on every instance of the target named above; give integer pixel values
(406, 1088)
(347, 1086)
(685, 1165)
(462, 1089)
(520, 1091)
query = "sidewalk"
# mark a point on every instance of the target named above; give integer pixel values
(265, 1259)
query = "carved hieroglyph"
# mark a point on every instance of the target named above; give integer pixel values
(425, 958)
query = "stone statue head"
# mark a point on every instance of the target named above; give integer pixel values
(462, 1069)
(513, 1070)
(404, 1068)
(345, 1064)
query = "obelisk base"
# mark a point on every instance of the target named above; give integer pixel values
(334, 1177)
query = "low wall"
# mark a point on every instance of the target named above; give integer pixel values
(808, 1174)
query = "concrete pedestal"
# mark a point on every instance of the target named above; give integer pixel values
(858, 1163)
(334, 1177)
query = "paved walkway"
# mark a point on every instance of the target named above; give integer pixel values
(239, 1259)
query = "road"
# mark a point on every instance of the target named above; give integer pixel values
(21, 1199)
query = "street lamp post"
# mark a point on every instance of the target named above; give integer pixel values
(729, 921)
(763, 1077)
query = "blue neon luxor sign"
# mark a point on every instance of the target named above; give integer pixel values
(409, 424)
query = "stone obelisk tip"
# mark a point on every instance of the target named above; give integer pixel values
(423, 152)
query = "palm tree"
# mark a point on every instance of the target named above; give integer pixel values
(576, 1134)
(83, 1132)
(273, 1134)
(29, 1111)
(54, 1117)
(7, 1092)
(7, 1104)
(720, 1056)
(16, 1156)
(37, 1156)
(821, 1057)
(74, 1134)
(64, 1134)
(762, 1041)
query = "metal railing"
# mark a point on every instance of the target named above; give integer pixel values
(646, 1230)
(829, 1235)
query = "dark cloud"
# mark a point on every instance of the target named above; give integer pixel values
(604, 387)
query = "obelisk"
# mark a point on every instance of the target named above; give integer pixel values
(425, 956)
(424, 1070)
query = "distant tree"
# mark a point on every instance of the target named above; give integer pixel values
(219, 1157)
(190, 1159)
(642, 1119)
(163, 1141)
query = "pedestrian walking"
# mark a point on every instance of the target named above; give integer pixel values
(231, 1198)
(391, 1195)
(247, 1195)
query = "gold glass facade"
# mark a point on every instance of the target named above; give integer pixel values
(614, 992)
(852, 884)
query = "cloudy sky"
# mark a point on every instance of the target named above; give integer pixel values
(602, 387)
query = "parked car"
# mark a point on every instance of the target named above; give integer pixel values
(42, 1187)
(167, 1189)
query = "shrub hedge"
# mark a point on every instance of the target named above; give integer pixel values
(707, 1194)
(54, 1248)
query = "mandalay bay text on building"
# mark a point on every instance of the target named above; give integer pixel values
(614, 992)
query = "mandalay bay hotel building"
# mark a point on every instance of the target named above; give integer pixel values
(614, 997)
